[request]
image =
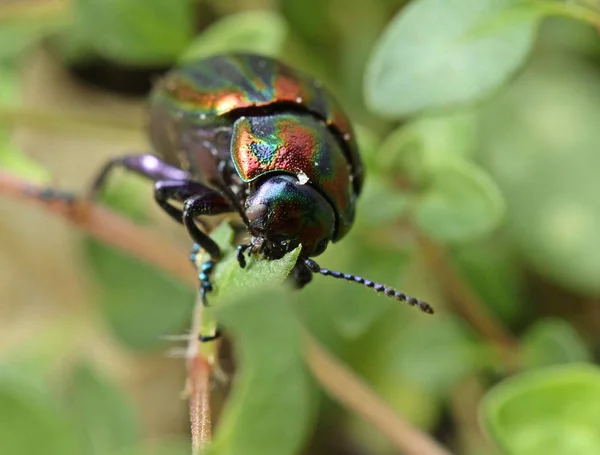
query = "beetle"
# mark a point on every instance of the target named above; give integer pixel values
(249, 134)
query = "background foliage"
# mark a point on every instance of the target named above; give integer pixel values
(477, 121)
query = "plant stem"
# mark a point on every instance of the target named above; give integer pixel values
(333, 376)
(199, 372)
(349, 390)
(467, 303)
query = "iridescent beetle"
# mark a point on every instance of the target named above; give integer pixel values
(248, 134)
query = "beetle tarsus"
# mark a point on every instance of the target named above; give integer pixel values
(377, 287)
(241, 250)
(207, 338)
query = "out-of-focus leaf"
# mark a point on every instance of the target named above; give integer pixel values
(427, 143)
(461, 202)
(434, 353)
(493, 270)
(379, 204)
(553, 411)
(139, 303)
(541, 146)
(312, 21)
(171, 446)
(441, 53)
(271, 381)
(261, 32)
(414, 403)
(551, 342)
(30, 420)
(101, 412)
(19, 33)
(18, 163)
(133, 32)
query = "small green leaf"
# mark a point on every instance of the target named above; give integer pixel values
(30, 421)
(492, 268)
(435, 353)
(460, 203)
(379, 204)
(427, 143)
(262, 32)
(440, 53)
(271, 381)
(101, 412)
(133, 32)
(554, 411)
(551, 342)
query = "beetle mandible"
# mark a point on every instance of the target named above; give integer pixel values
(248, 134)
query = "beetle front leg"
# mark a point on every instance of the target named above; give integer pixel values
(146, 165)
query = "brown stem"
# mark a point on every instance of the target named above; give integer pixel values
(467, 303)
(343, 385)
(333, 376)
(199, 372)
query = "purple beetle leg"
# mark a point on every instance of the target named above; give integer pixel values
(145, 165)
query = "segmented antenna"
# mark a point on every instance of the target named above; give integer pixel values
(377, 287)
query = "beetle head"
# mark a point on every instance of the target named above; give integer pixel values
(283, 213)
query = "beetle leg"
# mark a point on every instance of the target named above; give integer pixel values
(241, 249)
(181, 191)
(301, 274)
(145, 165)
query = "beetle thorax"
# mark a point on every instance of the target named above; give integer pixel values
(284, 212)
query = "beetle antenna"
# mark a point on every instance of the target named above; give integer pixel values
(377, 287)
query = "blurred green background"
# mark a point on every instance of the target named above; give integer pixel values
(478, 124)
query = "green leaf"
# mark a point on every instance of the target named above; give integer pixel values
(554, 411)
(551, 342)
(435, 353)
(262, 32)
(269, 410)
(547, 167)
(440, 53)
(17, 34)
(460, 203)
(101, 412)
(139, 303)
(493, 269)
(271, 381)
(379, 204)
(427, 143)
(30, 420)
(133, 32)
